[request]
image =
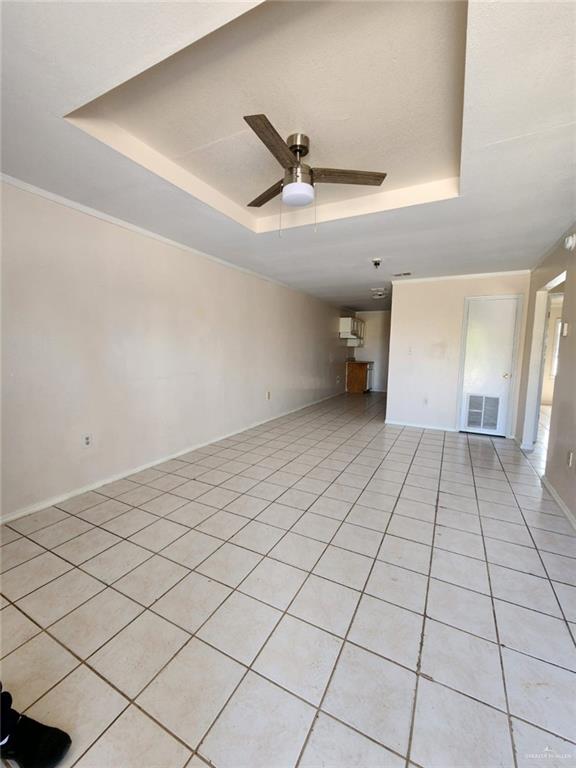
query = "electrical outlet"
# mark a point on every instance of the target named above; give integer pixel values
(570, 459)
(337, 379)
(268, 395)
(87, 441)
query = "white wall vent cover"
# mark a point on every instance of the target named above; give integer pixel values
(483, 412)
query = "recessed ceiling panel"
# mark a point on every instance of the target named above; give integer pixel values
(375, 85)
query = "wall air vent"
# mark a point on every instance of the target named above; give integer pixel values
(483, 412)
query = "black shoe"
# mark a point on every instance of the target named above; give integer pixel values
(34, 745)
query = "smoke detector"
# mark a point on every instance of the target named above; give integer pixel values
(379, 293)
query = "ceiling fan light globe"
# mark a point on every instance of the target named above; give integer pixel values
(297, 194)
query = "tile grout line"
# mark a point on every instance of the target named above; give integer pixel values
(133, 701)
(495, 619)
(348, 461)
(111, 585)
(82, 662)
(78, 566)
(122, 538)
(353, 617)
(543, 563)
(283, 614)
(166, 517)
(425, 615)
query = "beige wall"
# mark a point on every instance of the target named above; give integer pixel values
(151, 348)
(376, 345)
(563, 419)
(555, 313)
(426, 345)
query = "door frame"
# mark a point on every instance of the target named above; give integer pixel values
(536, 364)
(514, 386)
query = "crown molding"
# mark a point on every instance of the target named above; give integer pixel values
(88, 211)
(475, 276)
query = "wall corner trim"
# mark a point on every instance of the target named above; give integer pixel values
(560, 501)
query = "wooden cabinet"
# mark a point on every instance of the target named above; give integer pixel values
(357, 376)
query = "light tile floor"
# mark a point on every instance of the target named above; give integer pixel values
(538, 456)
(322, 590)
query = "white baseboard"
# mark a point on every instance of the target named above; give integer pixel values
(559, 500)
(37, 506)
(419, 426)
(526, 447)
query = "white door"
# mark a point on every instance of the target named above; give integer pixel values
(490, 346)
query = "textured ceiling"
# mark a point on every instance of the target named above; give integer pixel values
(518, 160)
(348, 74)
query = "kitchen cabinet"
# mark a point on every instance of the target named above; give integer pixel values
(358, 376)
(351, 330)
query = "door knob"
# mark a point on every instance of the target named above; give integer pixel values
(505, 375)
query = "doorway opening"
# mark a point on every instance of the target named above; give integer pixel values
(546, 335)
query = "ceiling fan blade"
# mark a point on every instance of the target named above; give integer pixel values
(266, 132)
(340, 176)
(271, 192)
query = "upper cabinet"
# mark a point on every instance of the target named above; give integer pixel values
(352, 331)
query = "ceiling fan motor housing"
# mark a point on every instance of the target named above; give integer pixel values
(301, 174)
(299, 143)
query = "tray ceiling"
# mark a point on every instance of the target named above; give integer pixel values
(517, 168)
(376, 86)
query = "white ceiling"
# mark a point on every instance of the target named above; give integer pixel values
(348, 74)
(518, 161)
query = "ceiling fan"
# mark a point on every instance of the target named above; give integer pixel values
(297, 186)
